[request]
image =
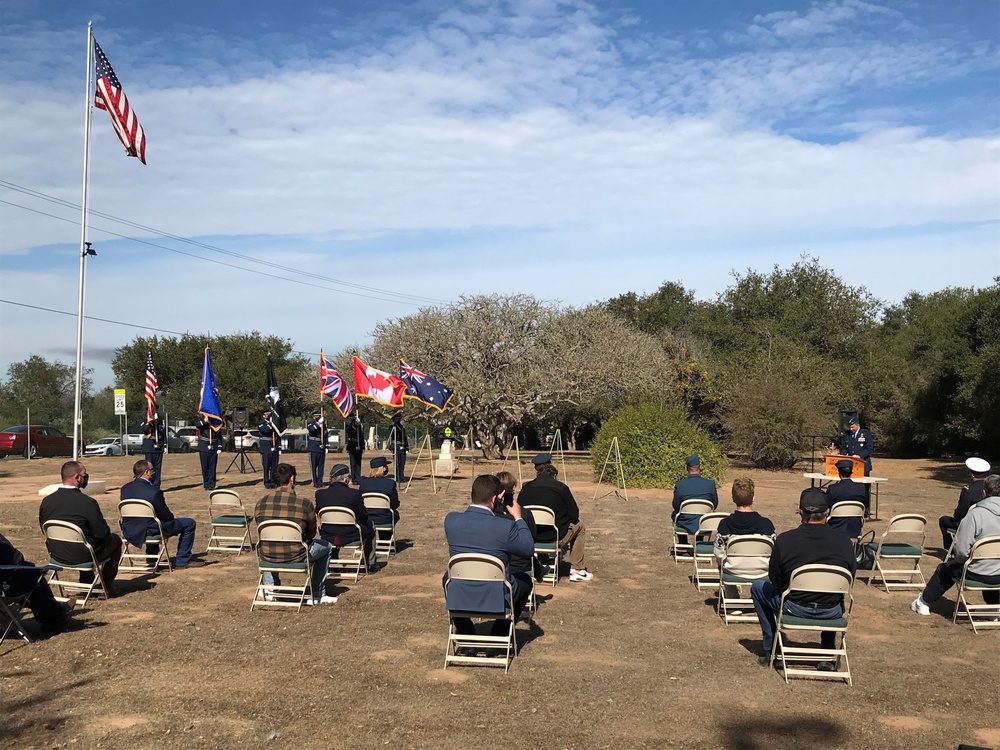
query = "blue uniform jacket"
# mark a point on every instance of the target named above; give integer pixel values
(269, 441)
(859, 444)
(135, 529)
(387, 486)
(155, 433)
(314, 443)
(208, 440)
(692, 487)
(478, 530)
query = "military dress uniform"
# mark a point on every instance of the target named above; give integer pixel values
(399, 446)
(153, 442)
(316, 445)
(269, 452)
(355, 433)
(209, 448)
(861, 444)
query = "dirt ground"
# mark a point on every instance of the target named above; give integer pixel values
(635, 659)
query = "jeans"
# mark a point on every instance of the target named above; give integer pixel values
(767, 599)
(186, 542)
(319, 555)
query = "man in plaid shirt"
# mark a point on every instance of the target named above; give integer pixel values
(285, 505)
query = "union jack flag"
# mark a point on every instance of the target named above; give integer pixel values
(423, 388)
(332, 385)
(111, 98)
(152, 385)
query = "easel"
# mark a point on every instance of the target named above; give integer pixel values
(425, 443)
(244, 459)
(621, 471)
(557, 448)
(516, 445)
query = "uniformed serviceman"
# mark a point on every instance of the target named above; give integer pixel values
(270, 443)
(858, 443)
(355, 434)
(209, 448)
(399, 445)
(316, 445)
(153, 441)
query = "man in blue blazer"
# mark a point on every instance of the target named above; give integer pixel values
(136, 529)
(693, 486)
(479, 530)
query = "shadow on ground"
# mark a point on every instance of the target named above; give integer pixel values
(779, 732)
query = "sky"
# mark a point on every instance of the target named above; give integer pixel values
(315, 168)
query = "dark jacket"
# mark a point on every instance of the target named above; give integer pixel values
(969, 496)
(860, 444)
(807, 544)
(136, 529)
(553, 494)
(72, 505)
(742, 524)
(386, 486)
(340, 495)
(155, 438)
(692, 487)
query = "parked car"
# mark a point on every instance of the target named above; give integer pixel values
(42, 440)
(109, 446)
(133, 442)
(246, 439)
(189, 435)
(175, 443)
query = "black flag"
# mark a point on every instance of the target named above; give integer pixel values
(274, 398)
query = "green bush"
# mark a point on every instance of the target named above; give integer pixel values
(654, 440)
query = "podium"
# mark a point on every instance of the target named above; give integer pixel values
(830, 468)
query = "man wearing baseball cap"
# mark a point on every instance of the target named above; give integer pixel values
(812, 542)
(972, 493)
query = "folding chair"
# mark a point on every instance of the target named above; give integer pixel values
(281, 595)
(695, 507)
(848, 509)
(475, 567)
(739, 608)
(706, 569)
(142, 509)
(385, 533)
(545, 518)
(816, 579)
(891, 549)
(12, 604)
(356, 559)
(229, 518)
(986, 615)
(70, 533)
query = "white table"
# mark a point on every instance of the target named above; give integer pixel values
(824, 480)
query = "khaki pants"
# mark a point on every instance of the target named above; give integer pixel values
(575, 539)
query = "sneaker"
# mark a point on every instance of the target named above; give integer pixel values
(580, 575)
(918, 606)
(324, 600)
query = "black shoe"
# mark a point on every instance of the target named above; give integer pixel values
(764, 659)
(826, 666)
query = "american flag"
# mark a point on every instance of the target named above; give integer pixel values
(332, 385)
(151, 385)
(112, 100)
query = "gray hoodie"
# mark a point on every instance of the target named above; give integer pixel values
(982, 521)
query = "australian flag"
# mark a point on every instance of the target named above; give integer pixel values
(423, 387)
(274, 399)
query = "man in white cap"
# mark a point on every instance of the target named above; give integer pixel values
(971, 494)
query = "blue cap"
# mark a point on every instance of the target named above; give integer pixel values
(542, 458)
(338, 470)
(378, 462)
(845, 463)
(692, 460)
(853, 420)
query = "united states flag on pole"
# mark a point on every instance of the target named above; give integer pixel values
(112, 100)
(332, 385)
(152, 385)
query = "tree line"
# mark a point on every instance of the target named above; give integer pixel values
(762, 367)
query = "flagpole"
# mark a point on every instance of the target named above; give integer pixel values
(77, 416)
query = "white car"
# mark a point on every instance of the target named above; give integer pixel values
(189, 435)
(109, 446)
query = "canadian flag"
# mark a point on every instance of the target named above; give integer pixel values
(377, 385)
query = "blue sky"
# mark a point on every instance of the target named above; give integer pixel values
(388, 155)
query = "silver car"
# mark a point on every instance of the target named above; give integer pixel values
(109, 446)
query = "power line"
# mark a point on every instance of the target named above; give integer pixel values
(395, 296)
(118, 322)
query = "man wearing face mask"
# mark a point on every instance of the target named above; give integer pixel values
(69, 503)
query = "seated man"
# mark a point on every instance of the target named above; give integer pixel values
(971, 494)
(284, 504)
(744, 521)
(847, 489)
(136, 529)
(480, 530)
(692, 487)
(813, 542)
(49, 614)
(340, 494)
(981, 521)
(545, 489)
(69, 503)
(380, 481)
